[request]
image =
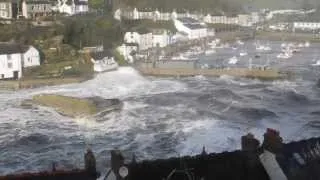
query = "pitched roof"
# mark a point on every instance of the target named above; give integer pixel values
(100, 55)
(80, 2)
(39, 2)
(194, 26)
(188, 20)
(7, 48)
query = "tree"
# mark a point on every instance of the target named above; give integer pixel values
(96, 4)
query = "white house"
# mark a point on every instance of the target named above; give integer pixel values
(160, 38)
(143, 39)
(103, 61)
(31, 57)
(76, 7)
(193, 28)
(14, 57)
(81, 6)
(306, 25)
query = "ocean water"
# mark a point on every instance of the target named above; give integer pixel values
(162, 117)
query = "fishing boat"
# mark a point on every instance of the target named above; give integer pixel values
(316, 64)
(307, 44)
(284, 55)
(240, 42)
(233, 60)
(209, 51)
(243, 53)
(103, 61)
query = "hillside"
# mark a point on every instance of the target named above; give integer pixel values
(191, 5)
(277, 4)
(217, 6)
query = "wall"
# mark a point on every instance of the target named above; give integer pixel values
(160, 39)
(5, 71)
(31, 57)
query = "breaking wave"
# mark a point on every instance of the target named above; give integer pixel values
(161, 117)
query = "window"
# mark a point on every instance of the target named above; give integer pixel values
(9, 65)
(9, 57)
(29, 60)
(2, 6)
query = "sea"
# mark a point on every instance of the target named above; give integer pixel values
(163, 117)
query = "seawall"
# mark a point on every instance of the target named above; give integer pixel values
(35, 83)
(286, 36)
(267, 74)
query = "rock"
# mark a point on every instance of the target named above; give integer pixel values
(76, 107)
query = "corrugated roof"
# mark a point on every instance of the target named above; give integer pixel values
(7, 48)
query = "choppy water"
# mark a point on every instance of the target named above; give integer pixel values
(162, 117)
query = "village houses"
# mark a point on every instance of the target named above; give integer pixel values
(36, 8)
(14, 58)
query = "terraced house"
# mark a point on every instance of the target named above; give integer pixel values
(8, 9)
(37, 8)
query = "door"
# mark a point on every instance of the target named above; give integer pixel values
(15, 74)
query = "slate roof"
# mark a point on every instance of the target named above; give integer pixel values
(100, 55)
(79, 2)
(194, 26)
(188, 20)
(6, 48)
(39, 2)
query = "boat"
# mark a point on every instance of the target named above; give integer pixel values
(300, 45)
(316, 64)
(306, 44)
(209, 51)
(284, 55)
(181, 57)
(267, 48)
(104, 65)
(283, 44)
(240, 42)
(233, 60)
(243, 53)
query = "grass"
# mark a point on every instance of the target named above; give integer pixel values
(69, 106)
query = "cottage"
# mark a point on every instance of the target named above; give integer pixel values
(8, 9)
(143, 38)
(160, 38)
(193, 28)
(81, 6)
(36, 8)
(103, 61)
(14, 57)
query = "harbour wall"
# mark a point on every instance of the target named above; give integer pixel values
(191, 68)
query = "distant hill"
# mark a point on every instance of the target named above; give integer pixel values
(229, 6)
(212, 6)
(278, 4)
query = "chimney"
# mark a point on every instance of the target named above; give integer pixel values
(272, 141)
(249, 143)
